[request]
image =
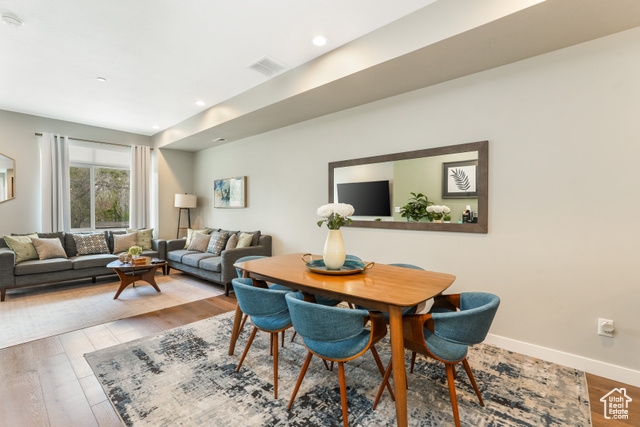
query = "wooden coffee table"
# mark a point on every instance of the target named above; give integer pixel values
(130, 273)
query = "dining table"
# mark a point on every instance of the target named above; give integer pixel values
(382, 287)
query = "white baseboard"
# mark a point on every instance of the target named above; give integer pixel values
(596, 367)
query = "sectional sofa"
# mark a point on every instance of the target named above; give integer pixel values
(74, 266)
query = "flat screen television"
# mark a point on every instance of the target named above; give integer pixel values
(368, 198)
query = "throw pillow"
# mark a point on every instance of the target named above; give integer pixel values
(122, 242)
(232, 243)
(244, 241)
(199, 242)
(144, 238)
(87, 244)
(190, 233)
(217, 243)
(49, 248)
(22, 246)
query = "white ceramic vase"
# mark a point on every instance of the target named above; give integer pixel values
(334, 254)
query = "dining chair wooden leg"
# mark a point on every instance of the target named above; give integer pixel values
(413, 360)
(467, 368)
(376, 357)
(294, 335)
(455, 374)
(271, 344)
(452, 393)
(246, 349)
(331, 369)
(275, 363)
(385, 380)
(326, 365)
(343, 394)
(283, 339)
(244, 320)
(302, 372)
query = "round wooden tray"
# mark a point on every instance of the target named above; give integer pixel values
(350, 267)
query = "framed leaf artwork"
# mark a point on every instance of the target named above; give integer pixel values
(460, 180)
(230, 192)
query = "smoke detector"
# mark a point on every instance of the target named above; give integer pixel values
(268, 66)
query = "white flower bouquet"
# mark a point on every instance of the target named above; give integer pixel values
(438, 211)
(335, 214)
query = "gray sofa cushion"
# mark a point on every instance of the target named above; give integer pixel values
(212, 264)
(42, 266)
(177, 255)
(194, 259)
(94, 260)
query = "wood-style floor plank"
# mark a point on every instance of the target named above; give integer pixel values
(66, 402)
(46, 347)
(598, 387)
(92, 390)
(101, 337)
(21, 401)
(105, 415)
(75, 345)
(16, 361)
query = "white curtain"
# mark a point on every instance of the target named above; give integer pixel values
(54, 176)
(140, 171)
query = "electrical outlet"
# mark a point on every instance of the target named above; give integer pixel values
(606, 327)
(398, 209)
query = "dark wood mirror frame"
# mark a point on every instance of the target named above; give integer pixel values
(481, 147)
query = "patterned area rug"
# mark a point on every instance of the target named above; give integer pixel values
(38, 312)
(185, 377)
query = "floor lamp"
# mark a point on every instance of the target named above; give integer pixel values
(184, 201)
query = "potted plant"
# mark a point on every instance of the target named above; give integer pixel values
(416, 208)
(446, 218)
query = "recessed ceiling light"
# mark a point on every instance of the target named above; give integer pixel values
(200, 103)
(11, 20)
(155, 127)
(319, 40)
(101, 79)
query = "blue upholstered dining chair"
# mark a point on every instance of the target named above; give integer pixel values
(406, 310)
(445, 333)
(335, 334)
(268, 311)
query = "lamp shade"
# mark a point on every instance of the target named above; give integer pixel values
(185, 201)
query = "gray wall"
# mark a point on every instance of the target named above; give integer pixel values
(563, 192)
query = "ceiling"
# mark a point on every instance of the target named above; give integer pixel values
(160, 57)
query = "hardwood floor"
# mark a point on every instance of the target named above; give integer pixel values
(49, 383)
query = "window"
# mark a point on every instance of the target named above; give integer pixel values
(99, 183)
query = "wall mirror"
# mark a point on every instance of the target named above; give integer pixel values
(7, 178)
(380, 186)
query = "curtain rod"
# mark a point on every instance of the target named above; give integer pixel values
(97, 142)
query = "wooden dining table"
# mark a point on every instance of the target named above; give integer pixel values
(382, 287)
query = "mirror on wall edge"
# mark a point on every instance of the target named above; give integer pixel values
(7, 178)
(455, 176)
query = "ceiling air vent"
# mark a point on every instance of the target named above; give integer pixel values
(268, 66)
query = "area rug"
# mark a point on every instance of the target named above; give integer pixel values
(184, 377)
(39, 312)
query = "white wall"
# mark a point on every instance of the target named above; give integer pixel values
(561, 246)
(18, 140)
